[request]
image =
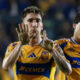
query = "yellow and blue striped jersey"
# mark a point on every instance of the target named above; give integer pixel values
(35, 63)
(71, 51)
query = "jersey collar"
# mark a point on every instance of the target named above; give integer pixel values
(41, 41)
(74, 41)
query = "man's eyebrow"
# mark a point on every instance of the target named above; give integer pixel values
(35, 18)
(31, 19)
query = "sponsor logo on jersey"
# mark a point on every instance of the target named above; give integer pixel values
(32, 69)
(32, 55)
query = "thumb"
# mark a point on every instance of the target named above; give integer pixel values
(44, 35)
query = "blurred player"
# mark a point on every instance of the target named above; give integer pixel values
(71, 49)
(30, 61)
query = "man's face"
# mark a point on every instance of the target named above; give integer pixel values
(77, 30)
(34, 23)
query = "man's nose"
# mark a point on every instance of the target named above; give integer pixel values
(34, 24)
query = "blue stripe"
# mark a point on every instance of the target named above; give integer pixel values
(27, 66)
(41, 41)
(71, 59)
(74, 41)
(68, 57)
(34, 55)
(75, 66)
(66, 78)
(63, 45)
(14, 44)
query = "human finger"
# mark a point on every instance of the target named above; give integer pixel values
(44, 35)
(20, 27)
(17, 31)
(26, 28)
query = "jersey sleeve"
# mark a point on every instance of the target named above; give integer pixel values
(10, 49)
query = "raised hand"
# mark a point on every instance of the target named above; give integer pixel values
(47, 43)
(23, 33)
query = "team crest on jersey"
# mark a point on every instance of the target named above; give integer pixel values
(45, 55)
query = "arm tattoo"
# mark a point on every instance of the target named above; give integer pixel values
(61, 62)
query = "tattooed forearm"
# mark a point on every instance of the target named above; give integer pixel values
(61, 62)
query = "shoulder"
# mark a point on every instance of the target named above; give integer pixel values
(62, 40)
(12, 45)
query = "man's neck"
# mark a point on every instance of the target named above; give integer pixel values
(36, 41)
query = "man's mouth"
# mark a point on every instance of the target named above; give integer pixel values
(33, 33)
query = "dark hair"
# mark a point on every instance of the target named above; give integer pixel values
(32, 9)
(77, 19)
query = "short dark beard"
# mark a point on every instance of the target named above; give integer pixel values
(34, 39)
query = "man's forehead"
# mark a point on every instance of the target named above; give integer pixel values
(33, 15)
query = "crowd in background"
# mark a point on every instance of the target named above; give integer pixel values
(58, 19)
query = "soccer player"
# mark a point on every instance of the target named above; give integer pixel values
(30, 61)
(71, 49)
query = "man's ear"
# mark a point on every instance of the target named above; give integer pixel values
(74, 26)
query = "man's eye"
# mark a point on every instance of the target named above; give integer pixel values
(30, 20)
(38, 20)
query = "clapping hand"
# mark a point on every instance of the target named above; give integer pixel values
(23, 33)
(47, 43)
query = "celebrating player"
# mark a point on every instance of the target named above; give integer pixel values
(30, 61)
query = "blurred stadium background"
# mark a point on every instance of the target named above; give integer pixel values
(58, 19)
